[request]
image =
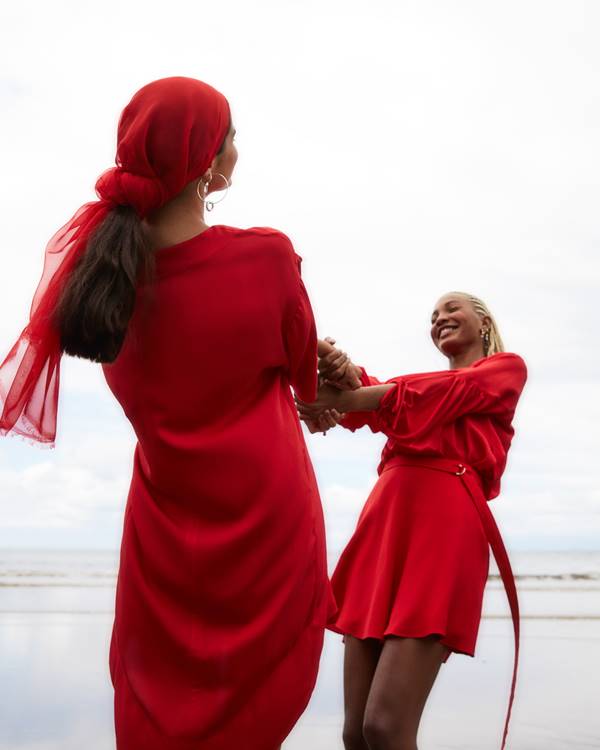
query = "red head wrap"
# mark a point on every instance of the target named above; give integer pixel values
(168, 135)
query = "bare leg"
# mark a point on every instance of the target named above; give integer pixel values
(360, 661)
(405, 674)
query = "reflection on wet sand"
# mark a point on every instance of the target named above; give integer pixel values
(56, 694)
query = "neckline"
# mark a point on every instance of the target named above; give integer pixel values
(485, 358)
(166, 249)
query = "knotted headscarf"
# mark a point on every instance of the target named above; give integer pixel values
(168, 135)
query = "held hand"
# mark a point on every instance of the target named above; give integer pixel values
(328, 419)
(328, 397)
(349, 381)
(335, 367)
(332, 361)
(325, 346)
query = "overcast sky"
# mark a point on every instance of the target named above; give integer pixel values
(407, 148)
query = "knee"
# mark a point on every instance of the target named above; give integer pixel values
(384, 732)
(377, 732)
(352, 737)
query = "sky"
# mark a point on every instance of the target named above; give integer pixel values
(407, 148)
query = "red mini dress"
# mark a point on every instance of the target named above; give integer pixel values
(417, 562)
(222, 592)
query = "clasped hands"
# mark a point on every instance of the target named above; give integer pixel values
(337, 375)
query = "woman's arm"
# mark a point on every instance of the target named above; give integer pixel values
(298, 327)
(331, 358)
(328, 397)
(410, 408)
(366, 398)
(418, 407)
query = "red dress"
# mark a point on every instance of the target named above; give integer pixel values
(222, 593)
(418, 560)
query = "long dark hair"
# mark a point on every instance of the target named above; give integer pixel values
(98, 300)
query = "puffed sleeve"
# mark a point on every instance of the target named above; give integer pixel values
(354, 420)
(300, 339)
(419, 406)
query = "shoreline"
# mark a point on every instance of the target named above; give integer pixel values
(57, 609)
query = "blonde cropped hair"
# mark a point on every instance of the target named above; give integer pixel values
(492, 341)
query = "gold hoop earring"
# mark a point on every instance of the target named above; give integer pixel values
(485, 335)
(211, 204)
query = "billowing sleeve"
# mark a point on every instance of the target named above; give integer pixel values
(419, 406)
(300, 338)
(354, 420)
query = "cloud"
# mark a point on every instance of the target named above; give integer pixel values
(406, 149)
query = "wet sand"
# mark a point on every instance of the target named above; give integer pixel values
(55, 691)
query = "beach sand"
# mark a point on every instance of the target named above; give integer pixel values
(56, 693)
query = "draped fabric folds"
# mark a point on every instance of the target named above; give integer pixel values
(30, 373)
(222, 594)
(465, 412)
(418, 560)
(167, 136)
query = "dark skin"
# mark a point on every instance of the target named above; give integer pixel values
(387, 683)
(456, 330)
(336, 369)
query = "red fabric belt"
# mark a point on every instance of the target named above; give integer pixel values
(471, 482)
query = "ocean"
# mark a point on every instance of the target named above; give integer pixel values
(56, 611)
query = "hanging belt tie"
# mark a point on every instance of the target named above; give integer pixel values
(471, 482)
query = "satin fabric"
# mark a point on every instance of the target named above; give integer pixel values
(417, 562)
(222, 594)
(464, 413)
(167, 136)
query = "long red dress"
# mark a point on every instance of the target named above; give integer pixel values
(222, 593)
(418, 560)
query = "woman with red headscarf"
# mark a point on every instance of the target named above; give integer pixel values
(222, 593)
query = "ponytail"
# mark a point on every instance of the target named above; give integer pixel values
(98, 299)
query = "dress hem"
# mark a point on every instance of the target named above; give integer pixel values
(404, 634)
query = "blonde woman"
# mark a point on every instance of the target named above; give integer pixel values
(409, 585)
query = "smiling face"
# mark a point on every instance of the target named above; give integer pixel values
(456, 327)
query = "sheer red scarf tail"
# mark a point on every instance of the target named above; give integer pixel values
(151, 168)
(30, 373)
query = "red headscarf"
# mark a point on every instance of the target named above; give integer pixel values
(168, 135)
